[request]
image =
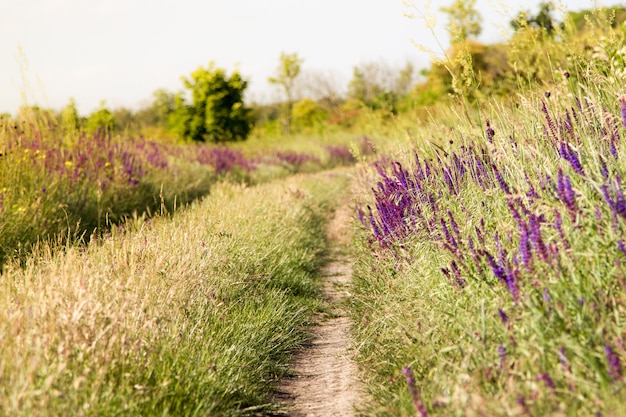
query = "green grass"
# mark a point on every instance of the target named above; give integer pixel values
(190, 315)
(550, 358)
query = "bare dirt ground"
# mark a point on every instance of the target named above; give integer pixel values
(323, 377)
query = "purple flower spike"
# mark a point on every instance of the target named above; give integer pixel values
(489, 132)
(603, 169)
(503, 317)
(615, 364)
(454, 225)
(536, 239)
(497, 270)
(460, 281)
(546, 113)
(622, 101)
(571, 156)
(545, 377)
(415, 395)
(503, 185)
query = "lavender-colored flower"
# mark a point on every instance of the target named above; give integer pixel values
(571, 156)
(621, 246)
(446, 233)
(546, 295)
(615, 364)
(454, 225)
(503, 317)
(415, 394)
(497, 270)
(613, 149)
(603, 169)
(531, 189)
(489, 132)
(622, 101)
(460, 281)
(567, 124)
(361, 216)
(503, 185)
(535, 237)
(546, 113)
(545, 377)
(511, 282)
(525, 247)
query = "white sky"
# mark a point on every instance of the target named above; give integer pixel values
(121, 51)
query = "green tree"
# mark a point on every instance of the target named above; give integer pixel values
(217, 112)
(125, 119)
(307, 114)
(286, 73)
(101, 119)
(542, 20)
(70, 120)
(464, 20)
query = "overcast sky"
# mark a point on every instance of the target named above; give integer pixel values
(121, 51)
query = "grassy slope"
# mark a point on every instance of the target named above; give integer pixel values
(193, 315)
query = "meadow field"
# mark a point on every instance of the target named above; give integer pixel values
(143, 275)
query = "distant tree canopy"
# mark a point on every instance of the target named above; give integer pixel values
(288, 69)
(101, 119)
(542, 20)
(217, 112)
(463, 20)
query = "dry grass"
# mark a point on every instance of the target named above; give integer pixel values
(183, 315)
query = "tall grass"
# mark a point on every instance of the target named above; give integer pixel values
(491, 279)
(55, 182)
(189, 315)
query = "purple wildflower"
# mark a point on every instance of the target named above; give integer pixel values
(603, 169)
(558, 223)
(546, 295)
(615, 364)
(551, 125)
(571, 156)
(524, 247)
(460, 281)
(497, 270)
(454, 225)
(545, 377)
(489, 132)
(568, 124)
(622, 101)
(503, 317)
(621, 246)
(446, 233)
(531, 189)
(415, 394)
(503, 185)
(613, 149)
(535, 237)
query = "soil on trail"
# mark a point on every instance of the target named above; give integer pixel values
(323, 377)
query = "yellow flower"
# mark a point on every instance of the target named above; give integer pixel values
(69, 164)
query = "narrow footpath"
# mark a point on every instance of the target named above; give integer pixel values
(323, 377)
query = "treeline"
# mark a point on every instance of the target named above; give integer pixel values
(211, 105)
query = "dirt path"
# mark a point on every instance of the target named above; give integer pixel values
(323, 380)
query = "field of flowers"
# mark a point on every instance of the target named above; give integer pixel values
(56, 185)
(491, 279)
